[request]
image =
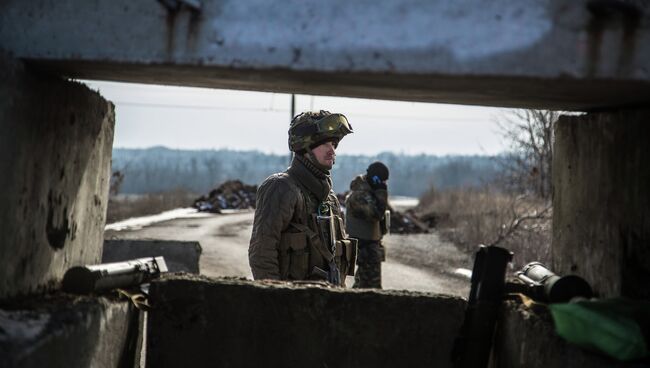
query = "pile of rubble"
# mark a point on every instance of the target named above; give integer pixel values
(232, 194)
(406, 223)
(400, 222)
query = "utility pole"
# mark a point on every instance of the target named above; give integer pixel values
(293, 113)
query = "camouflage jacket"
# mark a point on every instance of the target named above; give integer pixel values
(365, 209)
(286, 243)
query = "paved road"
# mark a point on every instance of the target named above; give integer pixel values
(419, 262)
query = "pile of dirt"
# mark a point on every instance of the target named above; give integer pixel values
(400, 222)
(232, 194)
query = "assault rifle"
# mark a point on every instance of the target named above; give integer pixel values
(325, 222)
(100, 277)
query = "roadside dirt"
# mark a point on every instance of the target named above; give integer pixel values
(417, 262)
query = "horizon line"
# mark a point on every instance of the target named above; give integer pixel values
(288, 152)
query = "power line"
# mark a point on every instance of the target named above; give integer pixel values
(281, 110)
(198, 107)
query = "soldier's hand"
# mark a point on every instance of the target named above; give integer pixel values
(380, 185)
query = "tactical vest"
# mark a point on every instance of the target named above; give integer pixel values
(362, 228)
(305, 248)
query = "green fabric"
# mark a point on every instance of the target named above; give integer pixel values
(612, 326)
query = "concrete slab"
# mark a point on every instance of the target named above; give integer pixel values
(55, 160)
(180, 256)
(529, 53)
(239, 323)
(62, 331)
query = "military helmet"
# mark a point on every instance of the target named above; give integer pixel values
(309, 129)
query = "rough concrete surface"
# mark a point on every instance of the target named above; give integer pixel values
(238, 323)
(526, 53)
(527, 339)
(55, 154)
(61, 331)
(601, 203)
(180, 256)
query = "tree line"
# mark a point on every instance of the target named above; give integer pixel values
(160, 169)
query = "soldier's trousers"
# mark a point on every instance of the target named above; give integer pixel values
(369, 258)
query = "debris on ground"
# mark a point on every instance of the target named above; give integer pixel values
(406, 223)
(400, 223)
(433, 219)
(232, 194)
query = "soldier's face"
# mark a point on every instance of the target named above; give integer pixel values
(325, 154)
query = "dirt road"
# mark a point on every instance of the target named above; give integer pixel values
(421, 262)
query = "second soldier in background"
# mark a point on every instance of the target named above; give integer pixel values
(365, 220)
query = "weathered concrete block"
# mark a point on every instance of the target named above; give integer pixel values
(525, 339)
(62, 331)
(601, 203)
(180, 256)
(236, 323)
(55, 154)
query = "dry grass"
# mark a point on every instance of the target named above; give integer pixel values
(470, 217)
(121, 207)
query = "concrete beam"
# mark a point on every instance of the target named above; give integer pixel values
(238, 323)
(55, 159)
(556, 54)
(601, 202)
(180, 256)
(65, 331)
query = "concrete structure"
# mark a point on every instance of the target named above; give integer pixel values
(527, 339)
(65, 331)
(55, 154)
(231, 323)
(529, 53)
(180, 256)
(601, 206)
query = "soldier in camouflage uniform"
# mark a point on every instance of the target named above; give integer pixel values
(365, 220)
(298, 231)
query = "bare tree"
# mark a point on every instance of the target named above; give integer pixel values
(527, 167)
(518, 215)
(526, 230)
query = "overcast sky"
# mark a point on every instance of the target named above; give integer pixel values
(200, 118)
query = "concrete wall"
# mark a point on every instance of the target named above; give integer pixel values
(62, 331)
(235, 323)
(55, 154)
(180, 256)
(601, 204)
(527, 339)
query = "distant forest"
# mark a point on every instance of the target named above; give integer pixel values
(160, 169)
